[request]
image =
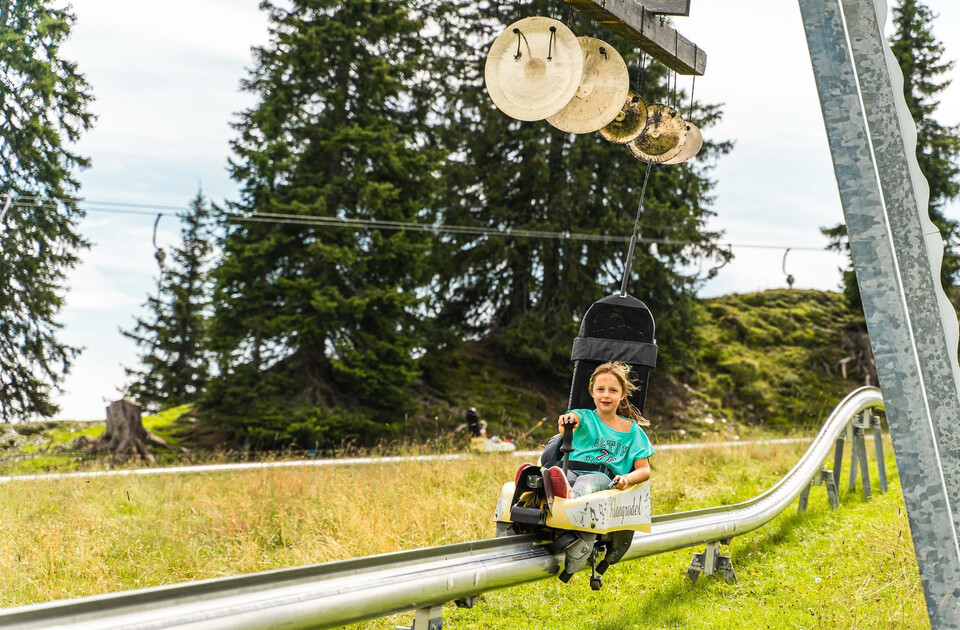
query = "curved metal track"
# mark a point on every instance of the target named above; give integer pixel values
(338, 593)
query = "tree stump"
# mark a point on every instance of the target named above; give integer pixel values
(125, 436)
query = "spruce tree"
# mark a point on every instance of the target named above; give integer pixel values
(920, 56)
(316, 327)
(174, 359)
(526, 296)
(44, 110)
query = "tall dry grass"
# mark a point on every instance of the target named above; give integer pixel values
(76, 537)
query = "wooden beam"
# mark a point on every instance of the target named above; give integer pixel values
(627, 18)
(668, 7)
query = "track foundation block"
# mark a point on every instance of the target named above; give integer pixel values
(710, 562)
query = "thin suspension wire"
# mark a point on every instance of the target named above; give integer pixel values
(603, 20)
(628, 263)
(676, 63)
(328, 221)
(693, 84)
(642, 59)
(306, 218)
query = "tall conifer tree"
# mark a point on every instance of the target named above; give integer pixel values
(44, 110)
(920, 56)
(174, 358)
(312, 319)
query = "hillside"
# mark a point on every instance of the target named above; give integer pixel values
(779, 358)
(783, 357)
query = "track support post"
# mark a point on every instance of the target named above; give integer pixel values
(428, 618)
(838, 460)
(873, 422)
(858, 455)
(826, 478)
(709, 562)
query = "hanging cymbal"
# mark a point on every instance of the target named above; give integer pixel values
(533, 68)
(691, 145)
(662, 139)
(602, 90)
(629, 123)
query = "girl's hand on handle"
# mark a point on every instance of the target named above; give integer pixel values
(619, 482)
(568, 418)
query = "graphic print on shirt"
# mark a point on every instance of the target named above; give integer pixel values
(610, 450)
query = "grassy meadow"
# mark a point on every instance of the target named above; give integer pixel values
(850, 568)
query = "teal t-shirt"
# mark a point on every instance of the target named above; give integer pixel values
(596, 443)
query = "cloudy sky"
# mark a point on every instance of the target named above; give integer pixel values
(166, 76)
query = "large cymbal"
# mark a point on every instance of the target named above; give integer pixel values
(662, 139)
(540, 78)
(602, 90)
(691, 145)
(629, 122)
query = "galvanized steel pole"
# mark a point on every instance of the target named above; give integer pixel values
(897, 253)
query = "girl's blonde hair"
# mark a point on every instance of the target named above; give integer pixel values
(622, 373)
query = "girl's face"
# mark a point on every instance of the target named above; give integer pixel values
(607, 392)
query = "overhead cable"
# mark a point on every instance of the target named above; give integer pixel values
(153, 210)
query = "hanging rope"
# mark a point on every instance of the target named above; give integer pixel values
(633, 239)
(643, 19)
(693, 84)
(676, 63)
(603, 19)
(519, 35)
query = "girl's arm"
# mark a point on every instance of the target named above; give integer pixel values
(639, 474)
(568, 418)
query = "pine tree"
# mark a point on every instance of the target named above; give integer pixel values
(175, 362)
(316, 325)
(525, 296)
(920, 56)
(44, 109)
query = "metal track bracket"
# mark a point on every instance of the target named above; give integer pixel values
(823, 477)
(709, 562)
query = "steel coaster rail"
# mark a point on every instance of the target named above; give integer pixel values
(338, 593)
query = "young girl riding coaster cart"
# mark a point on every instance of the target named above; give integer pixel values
(598, 496)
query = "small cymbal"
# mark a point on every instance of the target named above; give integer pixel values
(629, 123)
(533, 68)
(662, 139)
(602, 90)
(691, 145)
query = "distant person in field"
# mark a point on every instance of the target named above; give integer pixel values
(609, 447)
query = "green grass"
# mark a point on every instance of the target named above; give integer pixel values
(850, 568)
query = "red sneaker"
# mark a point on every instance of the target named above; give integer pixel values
(520, 470)
(557, 483)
